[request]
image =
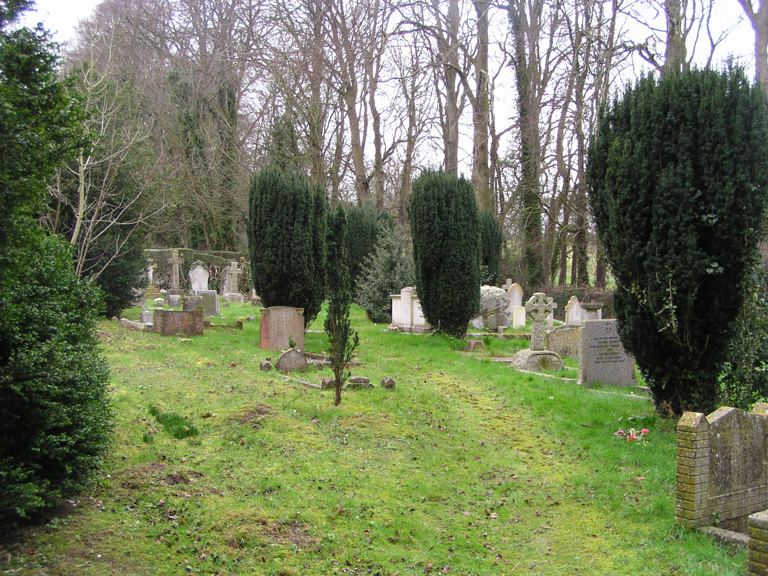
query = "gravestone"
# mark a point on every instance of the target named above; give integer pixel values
(198, 279)
(540, 307)
(518, 317)
(515, 293)
(175, 261)
(592, 311)
(193, 302)
(230, 285)
(494, 305)
(722, 467)
(278, 325)
(150, 274)
(601, 355)
(292, 360)
(406, 311)
(146, 316)
(574, 313)
(172, 322)
(564, 340)
(173, 300)
(210, 301)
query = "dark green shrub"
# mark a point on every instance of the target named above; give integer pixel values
(678, 180)
(387, 271)
(364, 225)
(342, 339)
(287, 241)
(491, 241)
(744, 378)
(446, 250)
(54, 408)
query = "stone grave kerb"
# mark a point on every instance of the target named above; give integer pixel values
(539, 307)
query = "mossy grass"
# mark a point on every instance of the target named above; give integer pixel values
(466, 467)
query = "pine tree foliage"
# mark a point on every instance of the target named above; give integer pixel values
(446, 250)
(491, 241)
(678, 180)
(287, 241)
(365, 225)
(387, 271)
(342, 339)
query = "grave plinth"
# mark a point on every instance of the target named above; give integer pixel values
(280, 323)
(172, 322)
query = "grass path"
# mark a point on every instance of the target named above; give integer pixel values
(466, 467)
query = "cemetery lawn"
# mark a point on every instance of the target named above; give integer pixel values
(466, 467)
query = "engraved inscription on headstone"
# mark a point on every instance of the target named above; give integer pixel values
(602, 357)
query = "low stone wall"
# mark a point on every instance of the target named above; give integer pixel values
(564, 340)
(721, 468)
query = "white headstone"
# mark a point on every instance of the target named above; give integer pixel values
(518, 318)
(198, 279)
(574, 313)
(515, 293)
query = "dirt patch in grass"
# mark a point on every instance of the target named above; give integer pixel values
(138, 477)
(255, 529)
(253, 414)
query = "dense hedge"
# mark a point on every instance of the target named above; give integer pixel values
(678, 181)
(54, 407)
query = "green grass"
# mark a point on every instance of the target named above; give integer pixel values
(466, 467)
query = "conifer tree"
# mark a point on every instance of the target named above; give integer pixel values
(491, 240)
(342, 338)
(678, 179)
(287, 240)
(446, 250)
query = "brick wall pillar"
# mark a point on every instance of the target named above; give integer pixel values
(692, 485)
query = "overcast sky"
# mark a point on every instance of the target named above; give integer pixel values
(61, 16)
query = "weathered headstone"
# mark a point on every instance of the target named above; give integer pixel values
(146, 316)
(518, 318)
(494, 309)
(230, 285)
(388, 382)
(193, 302)
(359, 382)
(592, 311)
(278, 325)
(150, 274)
(574, 313)
(564, 340)
(210, 301)
(173, 300)
(601, 355)
(175, 261)
(515, 293)
(406, 311)
(721, 467)
(540, 307)
(198, 279)
(171, 322)
(292, 360)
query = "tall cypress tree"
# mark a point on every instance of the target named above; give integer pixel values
(678, 182)
(446, 250)
(287, 240)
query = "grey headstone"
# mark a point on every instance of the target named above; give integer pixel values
(539, 307)
(146, 316)
(359, 382)
(387, 382)
(198, 279)
(602, 357)
(265, 366)
(292, 360)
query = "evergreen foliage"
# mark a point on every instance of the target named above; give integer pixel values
(446, 250)
(365, 224)
(54, 409)
(387, 271)
(491, 241)
(342, 339)
(677, 180)
(287, 241)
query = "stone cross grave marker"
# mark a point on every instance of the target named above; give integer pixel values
(231, 278)
(175, 262)
(539, 306)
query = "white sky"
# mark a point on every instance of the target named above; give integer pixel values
(60, 16)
